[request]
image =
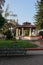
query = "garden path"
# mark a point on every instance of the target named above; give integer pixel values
(38, 42)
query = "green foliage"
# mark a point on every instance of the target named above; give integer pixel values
(39, 15)
(25, 44)
(26, 32)
(8, 34)
(2, 21)
(41, 33)
(18, 44)
(6, 43)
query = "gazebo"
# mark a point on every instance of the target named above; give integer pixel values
(26, 29)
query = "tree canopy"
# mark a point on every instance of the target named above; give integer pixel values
(2, 21)
(39, 15)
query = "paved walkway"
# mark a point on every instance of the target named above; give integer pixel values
(22, 60)
(35, 52)
(37, 42)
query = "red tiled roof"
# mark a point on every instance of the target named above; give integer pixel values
(26, 25)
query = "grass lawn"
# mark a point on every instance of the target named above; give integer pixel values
(6, 43)
(25, 44)
(17, 44)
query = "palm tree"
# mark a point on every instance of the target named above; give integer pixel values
(2, 3)
(8, 13)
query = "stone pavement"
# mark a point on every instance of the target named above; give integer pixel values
(22, 60)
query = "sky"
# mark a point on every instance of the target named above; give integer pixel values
(25, 9)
